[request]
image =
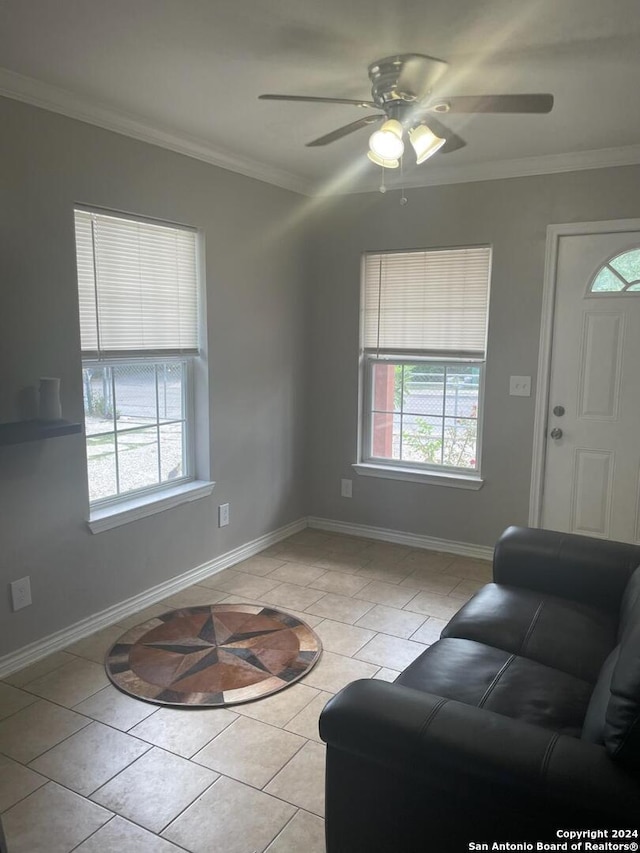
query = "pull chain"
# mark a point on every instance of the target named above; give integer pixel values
(403, 198)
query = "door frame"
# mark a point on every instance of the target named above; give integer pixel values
(554, 233)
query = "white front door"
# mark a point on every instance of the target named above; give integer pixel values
(592, 459)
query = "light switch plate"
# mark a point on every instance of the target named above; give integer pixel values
(520, 386)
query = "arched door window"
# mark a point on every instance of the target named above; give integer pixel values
(619, 275)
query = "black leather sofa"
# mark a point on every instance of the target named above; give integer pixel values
(520, 723)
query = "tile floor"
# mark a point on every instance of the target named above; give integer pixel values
(86, 768)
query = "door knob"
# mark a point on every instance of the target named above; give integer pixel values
(556, 432)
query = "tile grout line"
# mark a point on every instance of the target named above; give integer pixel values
(150, 744)
(89, 719)
(301, 681)
(54, 701)
(271, 725)
(271, 778)
(113, 817)
(71, 791)
(198, 797)
(278, 834)
(178, 754)
(64, 740)
(49, 748)
(360, 627)
(17, 802)
(351, 571)
(35, 678)
(91, 834)
(286, 764)
(239, 782)
(182, 811)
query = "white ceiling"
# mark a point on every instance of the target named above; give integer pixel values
(187, 74)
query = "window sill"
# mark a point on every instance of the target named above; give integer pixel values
(123, 513)
(413, 475)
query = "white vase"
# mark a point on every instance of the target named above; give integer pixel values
(49, 407)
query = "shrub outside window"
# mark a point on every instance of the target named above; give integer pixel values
(425, 412)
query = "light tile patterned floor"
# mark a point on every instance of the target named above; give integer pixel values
(85, 768)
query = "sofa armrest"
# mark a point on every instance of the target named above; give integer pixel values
(488, 759)
(582, 568)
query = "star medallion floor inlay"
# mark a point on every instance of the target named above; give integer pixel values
(218, 654)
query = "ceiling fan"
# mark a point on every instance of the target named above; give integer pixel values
(402, 87)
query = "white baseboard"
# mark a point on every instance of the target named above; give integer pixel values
(54, 642)
(414, 540)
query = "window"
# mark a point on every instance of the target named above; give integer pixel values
(136, 425)
(138, 297)
(424, 329)
(620, 275)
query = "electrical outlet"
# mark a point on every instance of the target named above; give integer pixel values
(520, 386)
(223, 515)
(346, 488)
(20, 593)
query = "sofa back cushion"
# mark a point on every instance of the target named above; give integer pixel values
(596, 718)
(622, 726)
(630, 607)
(613, 715)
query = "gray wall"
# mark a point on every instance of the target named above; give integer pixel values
(283, 360)
(512, 216)
(256, 312)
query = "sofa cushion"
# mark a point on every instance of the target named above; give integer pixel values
(630, 607)
(622, 726)
(566, 635)
(499, 681)
(596, 716)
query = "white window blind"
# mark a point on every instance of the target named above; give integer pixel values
(137, 287)
(431, 302)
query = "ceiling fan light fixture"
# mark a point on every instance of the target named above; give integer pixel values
(424, 142)
(385, 162)
(387, 142)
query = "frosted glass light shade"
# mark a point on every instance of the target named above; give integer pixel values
(387, 142)
(424, 142)
(382, 161)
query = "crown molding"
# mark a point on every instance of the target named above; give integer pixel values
(548, 164)
(39, 94)
(55, 99)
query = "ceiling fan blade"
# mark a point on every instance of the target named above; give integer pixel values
(345, 130)
(453, 143)
(494, 104)
(311, 100)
